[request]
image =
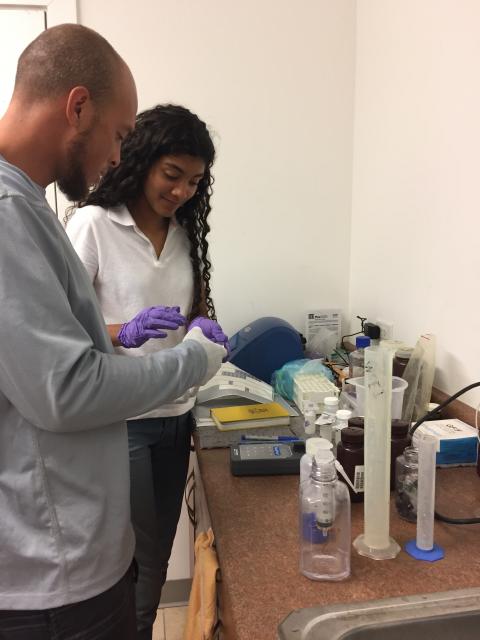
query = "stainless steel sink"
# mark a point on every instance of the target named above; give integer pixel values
(449, 615)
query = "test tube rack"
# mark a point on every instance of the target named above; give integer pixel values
(313, 388)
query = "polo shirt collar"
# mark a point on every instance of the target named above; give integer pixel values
(122, 215)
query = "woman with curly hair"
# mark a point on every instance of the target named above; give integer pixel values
(142, 236)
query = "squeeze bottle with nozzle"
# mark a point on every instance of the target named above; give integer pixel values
(325, 534)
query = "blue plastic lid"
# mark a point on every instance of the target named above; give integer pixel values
(362, 341)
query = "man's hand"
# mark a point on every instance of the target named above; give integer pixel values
(211, 330)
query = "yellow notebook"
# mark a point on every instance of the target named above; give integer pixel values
(250, 416)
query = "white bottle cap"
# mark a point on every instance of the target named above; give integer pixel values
(344, 414)
(325, 444)
(312, 445)
(323, 456)
(331, 401)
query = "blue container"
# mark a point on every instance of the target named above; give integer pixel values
(265, 345)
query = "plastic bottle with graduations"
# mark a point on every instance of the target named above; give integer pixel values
(325, 530)
(357, 357)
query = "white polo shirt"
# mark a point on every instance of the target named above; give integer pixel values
(127, 275)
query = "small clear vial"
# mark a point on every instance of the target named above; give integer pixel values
(309, 416)
(330, 407)
(325, 530)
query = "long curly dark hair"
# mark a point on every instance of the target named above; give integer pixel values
(167, 130)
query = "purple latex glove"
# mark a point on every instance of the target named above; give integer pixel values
(211, 330)
(147, 324)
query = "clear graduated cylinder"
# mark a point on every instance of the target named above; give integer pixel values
(376, 542)
(427, 453)
(325, 529)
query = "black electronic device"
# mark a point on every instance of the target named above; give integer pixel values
(266, 458)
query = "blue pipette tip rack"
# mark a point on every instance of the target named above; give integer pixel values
(436, 553)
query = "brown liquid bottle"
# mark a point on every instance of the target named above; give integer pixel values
(350, 454)
(400, 361)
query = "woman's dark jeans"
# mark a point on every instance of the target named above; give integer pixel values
(159, 456)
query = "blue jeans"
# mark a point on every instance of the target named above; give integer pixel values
(108, 616)
(159, 455)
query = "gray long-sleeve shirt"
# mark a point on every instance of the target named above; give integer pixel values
(65, 531)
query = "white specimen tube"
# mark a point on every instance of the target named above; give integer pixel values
(376, 542)
(427, 458)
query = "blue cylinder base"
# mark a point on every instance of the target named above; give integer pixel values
(436, 553)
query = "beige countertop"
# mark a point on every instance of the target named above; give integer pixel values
(255, 521)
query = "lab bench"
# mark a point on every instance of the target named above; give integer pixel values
(255, 522)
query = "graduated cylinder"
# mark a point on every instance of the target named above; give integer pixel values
(376, 542)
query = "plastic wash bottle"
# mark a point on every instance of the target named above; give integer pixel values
(325, 533)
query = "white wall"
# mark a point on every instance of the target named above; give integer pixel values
(18, 27)
(20, 22)
(274, 80)
(415, 222)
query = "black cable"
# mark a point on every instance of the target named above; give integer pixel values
(444, 404)
(349, 335)
(439, 516)
(337, 353)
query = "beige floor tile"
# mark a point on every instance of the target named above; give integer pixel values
(175, 619)
(159, 626)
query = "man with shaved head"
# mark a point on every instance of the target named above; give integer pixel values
(66, 544)
(76, 99)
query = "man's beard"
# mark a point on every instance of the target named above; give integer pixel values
(73, 181)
